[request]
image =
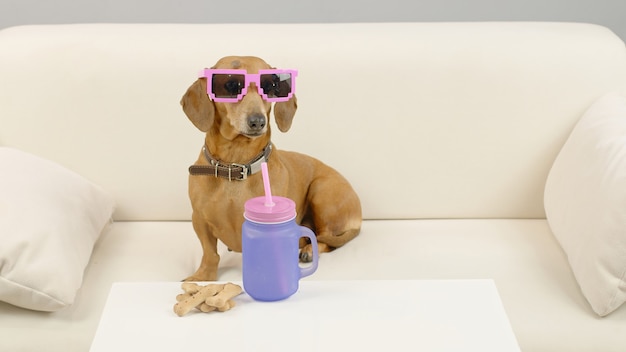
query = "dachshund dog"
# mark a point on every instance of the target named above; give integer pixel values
(234, 113)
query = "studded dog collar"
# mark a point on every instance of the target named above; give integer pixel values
(230, 171)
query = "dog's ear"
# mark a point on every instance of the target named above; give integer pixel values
(197, 105)
(284, 113)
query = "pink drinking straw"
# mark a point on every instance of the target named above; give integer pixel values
(266, 185)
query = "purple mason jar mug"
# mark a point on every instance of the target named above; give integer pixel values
(270, 249)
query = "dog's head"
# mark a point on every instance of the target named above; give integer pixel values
(248, 116)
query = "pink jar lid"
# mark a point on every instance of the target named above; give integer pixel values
(284, 209)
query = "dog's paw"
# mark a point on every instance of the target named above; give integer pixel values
(306, 254)
(201, 276)
(193, 278)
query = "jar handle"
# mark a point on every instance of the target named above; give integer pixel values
(309, 269)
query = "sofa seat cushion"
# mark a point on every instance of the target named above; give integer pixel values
(539, 293)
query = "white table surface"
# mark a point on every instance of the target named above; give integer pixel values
(411, 315)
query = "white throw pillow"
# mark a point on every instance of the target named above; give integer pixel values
(50, 219)
(585, 202)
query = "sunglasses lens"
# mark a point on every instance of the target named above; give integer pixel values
(227, 85)
(276, 85)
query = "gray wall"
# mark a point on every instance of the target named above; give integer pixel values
(610, 13)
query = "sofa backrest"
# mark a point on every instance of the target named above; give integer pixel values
(426, 120)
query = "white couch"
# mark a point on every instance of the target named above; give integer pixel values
(447, 131)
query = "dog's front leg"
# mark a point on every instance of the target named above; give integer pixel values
(210, 258)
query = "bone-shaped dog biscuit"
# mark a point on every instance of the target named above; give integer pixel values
(190, 287)
(186, 305)
(206, 298)
(222, 297)
(228, 305)
(205, 308)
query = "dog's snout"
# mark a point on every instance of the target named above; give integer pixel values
(256, 122)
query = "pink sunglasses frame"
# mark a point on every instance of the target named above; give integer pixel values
(248, 79)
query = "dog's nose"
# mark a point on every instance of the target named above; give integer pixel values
(256, 122)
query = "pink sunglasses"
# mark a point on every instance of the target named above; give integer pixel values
(230, 86)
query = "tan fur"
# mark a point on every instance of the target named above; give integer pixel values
(324, 199)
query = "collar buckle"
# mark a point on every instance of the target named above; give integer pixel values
(244, 172)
